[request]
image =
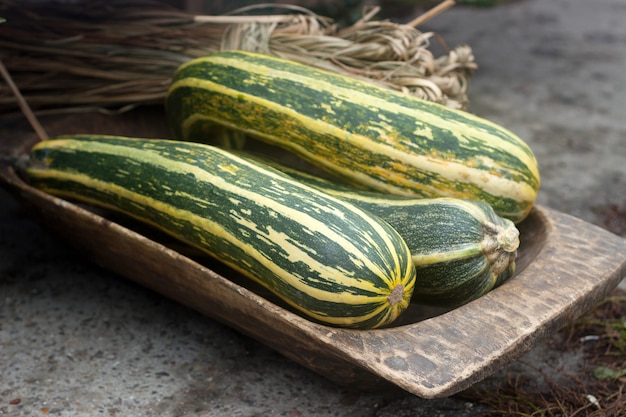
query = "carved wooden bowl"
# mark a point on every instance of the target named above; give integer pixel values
(565, 266)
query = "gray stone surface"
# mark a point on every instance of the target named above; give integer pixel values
(76, 340)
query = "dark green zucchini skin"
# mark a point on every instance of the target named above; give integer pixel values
(330, 260)
(461, 248)
(368, 136)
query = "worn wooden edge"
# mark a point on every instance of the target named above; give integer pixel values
(577, 266)
(570, 267)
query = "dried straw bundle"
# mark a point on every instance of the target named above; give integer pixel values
(116, 54)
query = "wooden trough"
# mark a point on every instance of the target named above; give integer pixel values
(565, 266)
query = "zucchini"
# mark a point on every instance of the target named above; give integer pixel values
(366, 135)
(329, 259)
(461, 248)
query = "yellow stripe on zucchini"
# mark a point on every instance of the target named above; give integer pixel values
(327, 258)
(372, 137)
(461, 248)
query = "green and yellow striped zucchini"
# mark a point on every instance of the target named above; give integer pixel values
(369, 136)
(329, 259)
(461, 248)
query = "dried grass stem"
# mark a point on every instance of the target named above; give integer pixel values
(112, 53)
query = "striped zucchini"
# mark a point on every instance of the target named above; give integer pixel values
(371, 137)
(461, 248)
(329, 259)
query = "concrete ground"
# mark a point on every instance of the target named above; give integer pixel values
(77, 340)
